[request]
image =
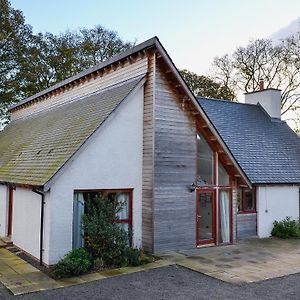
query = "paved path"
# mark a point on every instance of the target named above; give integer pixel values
(169, 283)
(20, 277)
(248, 261)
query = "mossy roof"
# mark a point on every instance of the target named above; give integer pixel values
(33, 149)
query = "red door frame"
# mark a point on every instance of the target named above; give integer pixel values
(10, 210)
(213, 240)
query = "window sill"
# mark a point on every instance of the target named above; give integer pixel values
(247, 212)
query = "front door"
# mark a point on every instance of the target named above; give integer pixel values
(206, 217)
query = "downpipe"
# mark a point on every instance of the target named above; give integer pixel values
(42, 223)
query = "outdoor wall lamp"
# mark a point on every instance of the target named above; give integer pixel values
(192, 187)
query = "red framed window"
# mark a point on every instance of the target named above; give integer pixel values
(123, 216)
(246, 200)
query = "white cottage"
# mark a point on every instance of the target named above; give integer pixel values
(191, 172)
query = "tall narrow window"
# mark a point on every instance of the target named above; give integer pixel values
(205, 157)
(223, 175)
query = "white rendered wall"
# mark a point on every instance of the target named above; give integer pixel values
(26, 220)
(113, 159)
(3, 209)
(274, 203)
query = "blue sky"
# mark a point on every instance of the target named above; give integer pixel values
(193, 32)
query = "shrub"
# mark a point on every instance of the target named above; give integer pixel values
(286, 228)
(146, 258)
(133, 256)
(76, 262)
(137, 257)
(104, 239)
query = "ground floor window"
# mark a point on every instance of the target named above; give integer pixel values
(246, 200)
(123, 217)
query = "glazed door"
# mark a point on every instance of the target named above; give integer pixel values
(206, 217)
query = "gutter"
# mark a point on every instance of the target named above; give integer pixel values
(42, 194)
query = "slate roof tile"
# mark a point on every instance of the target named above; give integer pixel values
(268, 151)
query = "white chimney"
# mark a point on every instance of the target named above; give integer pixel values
(269, 99)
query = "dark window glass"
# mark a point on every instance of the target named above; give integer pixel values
(205, 158)
(245, 200)
(249, 200)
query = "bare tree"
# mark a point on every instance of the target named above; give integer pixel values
(278, 65)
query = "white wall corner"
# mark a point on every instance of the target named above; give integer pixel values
(274, 203)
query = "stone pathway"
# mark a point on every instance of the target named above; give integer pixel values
(248, 261)
(20, 277)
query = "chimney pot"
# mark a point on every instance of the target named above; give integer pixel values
(261, 84)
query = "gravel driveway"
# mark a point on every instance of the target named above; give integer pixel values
(170, 283)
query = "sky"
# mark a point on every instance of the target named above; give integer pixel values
(193, 32)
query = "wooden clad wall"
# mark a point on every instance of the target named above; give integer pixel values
(246, 225)
(148, 154)
(175, 170)
(110, 77)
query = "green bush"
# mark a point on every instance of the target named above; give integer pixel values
(76, 262)
(104, 239)
(286, 228)
(146, 258)
(137, 257)
(133, 256)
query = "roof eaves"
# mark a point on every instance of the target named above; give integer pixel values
(275, 183)
(224, 145)
(32, 186)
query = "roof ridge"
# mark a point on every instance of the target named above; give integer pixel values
(226, 101)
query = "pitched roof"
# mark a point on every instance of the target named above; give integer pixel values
(149, 44)
(33, 149)
(268, 151)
